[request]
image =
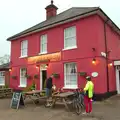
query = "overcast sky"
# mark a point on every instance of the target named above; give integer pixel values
(18, 15)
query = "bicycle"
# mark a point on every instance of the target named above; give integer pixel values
(78, 102)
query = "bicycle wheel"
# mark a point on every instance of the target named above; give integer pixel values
(78, 109)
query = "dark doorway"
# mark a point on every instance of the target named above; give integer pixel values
(44, 77)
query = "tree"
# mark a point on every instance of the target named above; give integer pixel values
(5, 59)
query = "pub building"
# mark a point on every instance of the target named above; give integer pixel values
(77, 42)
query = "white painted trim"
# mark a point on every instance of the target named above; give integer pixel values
(23, 56)
(70, 87)
(70, 48)
(41, 69)
(116, 62)
(42, 53)
(23, 86)
(117, 81)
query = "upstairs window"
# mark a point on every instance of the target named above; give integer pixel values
(70, 38)
(43, 44)
(24, 48)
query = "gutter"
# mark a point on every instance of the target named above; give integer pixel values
(105, 40)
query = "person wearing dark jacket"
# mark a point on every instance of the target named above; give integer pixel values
(49, 86)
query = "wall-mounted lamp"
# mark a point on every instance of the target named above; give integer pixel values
(10, 69)
(93, 61)
(37, 66)
(46, 66)
(110, 64)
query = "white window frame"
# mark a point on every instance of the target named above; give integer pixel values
(70, 33)
(2, 77)
(23, 79)
(65, 78)
(43, 44)
(24, 48)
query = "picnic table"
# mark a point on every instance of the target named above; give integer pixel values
(5, 92)
(34, 95)
(64, 99)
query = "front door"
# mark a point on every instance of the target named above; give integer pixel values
(43, 77)
(118, 79)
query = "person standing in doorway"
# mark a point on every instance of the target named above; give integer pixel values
(49, 88)
(89, 88)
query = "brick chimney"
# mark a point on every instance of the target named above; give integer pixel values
(51, 10)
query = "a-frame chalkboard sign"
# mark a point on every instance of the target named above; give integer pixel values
(17, 100)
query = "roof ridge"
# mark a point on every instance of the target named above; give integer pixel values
(66, 14)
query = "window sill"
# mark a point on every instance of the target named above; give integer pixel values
(42, 53)
(23, 56)
(75, 87)
(2, 84)
(22, 86)
(69, 48)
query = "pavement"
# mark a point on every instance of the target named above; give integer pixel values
(105, 110)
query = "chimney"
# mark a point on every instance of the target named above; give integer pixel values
(51, 10)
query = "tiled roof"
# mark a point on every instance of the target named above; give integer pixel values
(5, 66)
(68, 14)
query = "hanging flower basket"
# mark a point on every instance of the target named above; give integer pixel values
(14, 77)
(56, 75)
(28, 76)
(82, 74)
(36, 76)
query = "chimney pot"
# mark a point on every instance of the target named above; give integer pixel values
(51, 10)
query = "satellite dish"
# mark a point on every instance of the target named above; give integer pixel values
(94, 74)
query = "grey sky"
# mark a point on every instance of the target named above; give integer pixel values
(17, 15)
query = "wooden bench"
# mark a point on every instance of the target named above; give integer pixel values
(5, 92)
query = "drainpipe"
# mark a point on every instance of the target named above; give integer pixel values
(106, 51)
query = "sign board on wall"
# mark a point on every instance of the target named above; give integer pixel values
(47, 57)
(94, 74)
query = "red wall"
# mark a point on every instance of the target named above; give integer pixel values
(90, 34)
(113, 45)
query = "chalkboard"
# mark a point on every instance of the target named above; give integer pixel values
(17, 100)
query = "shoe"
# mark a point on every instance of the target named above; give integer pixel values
(85, 113)
(48, 105)
(90, 112)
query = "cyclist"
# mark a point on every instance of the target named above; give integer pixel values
(89, 87)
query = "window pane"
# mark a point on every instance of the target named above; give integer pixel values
(24, 48)
(23, 80)
(43, 43)
(24, 52)
(70, 74)
(72, 41)
(2, 78)
(70, 37)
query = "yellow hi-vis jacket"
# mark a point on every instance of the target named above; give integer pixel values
(89, 88)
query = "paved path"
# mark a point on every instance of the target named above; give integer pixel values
(107, 110)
